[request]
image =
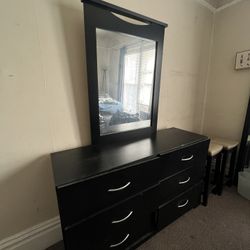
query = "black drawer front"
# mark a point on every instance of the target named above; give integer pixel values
(180, 182)
(79, 201)
(182, 159)
(121, 242)
(170, 211)
(116, 228)
(171, 187)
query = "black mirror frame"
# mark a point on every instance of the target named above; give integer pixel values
(98, 14)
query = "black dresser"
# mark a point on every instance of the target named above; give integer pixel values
(117, 196)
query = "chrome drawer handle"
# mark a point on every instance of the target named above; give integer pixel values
(118, 221)
(183, 205)
(188, 159)
(120, 188)
(118, 244)
(186, 181)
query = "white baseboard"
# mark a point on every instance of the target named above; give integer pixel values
(38, 237)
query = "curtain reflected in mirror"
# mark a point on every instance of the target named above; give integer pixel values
(126, 66)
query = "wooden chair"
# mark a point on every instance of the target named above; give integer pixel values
(229, 148)
(214, 153)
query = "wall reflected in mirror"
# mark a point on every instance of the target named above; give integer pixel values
(126, 66)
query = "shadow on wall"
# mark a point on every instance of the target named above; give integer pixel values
(27, 197)
(73, 30)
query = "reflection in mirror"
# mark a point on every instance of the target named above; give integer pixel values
(126, 66)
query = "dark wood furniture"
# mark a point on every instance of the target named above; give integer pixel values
(100, 15)
(228, 153)
(247, 156)
(244, 146)
(212, 176)
(116, 197)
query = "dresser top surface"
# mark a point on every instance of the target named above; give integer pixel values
(82, 163)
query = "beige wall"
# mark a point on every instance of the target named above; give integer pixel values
(214, 3)
(43, 104)
(223, 2)
(43, 91)
(228, 89)
(220, 3)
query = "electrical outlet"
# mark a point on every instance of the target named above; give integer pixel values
(242, 60)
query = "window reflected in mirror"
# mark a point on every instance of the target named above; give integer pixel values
(126, 66)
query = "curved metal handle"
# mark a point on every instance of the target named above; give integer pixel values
(186, 181)
(120, 188)
(118, 244)
(188, 159)
(125, 218)
(183, 205)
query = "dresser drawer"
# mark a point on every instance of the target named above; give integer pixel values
(115, 228)
(80, 200)
(116, 242)
(171, 187)
(179, 183)
(182, 159)
(173, 209)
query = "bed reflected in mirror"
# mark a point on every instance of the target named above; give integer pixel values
(126, 66)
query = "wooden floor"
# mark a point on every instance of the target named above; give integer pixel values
(223, 225)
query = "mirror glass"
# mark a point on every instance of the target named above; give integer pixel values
(126, 66)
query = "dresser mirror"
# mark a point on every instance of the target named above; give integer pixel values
(124, 56)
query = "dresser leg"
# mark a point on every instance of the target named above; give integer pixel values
(217, 172)
(222, 172)
(232, 167)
